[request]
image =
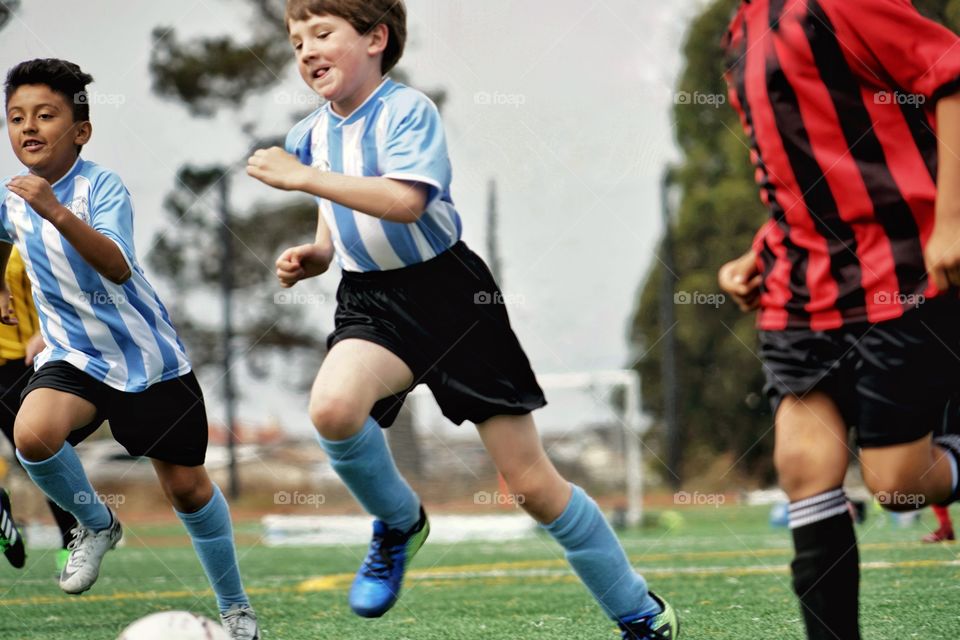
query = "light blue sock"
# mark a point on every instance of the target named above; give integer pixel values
(365, 465)
(63, 480)
(212, 535)
(598, 558)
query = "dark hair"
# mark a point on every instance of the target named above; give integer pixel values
(61, 76)
(363, 15)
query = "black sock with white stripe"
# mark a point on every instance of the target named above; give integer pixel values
(951, 444)
(826, 568)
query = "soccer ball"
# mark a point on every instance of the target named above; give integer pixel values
(181, 625)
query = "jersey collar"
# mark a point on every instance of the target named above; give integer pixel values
(68, 173)
(342, 120)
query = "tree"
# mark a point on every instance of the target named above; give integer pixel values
(722, 411)
(7, 9)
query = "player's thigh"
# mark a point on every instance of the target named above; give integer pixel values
(354, 375)
(45, 420)
(810, 452)
(901, 475)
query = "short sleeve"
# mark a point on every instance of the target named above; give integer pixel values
(4, 236)
(298, 140)
(415, 148)
(111, 213)
(891, 39)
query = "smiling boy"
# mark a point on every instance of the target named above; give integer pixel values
(112, 352)
(411, 309)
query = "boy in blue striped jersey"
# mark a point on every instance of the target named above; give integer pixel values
(112, 352)
(415, 305)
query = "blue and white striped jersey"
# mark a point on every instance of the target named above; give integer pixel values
(396, 133)
(119, 334)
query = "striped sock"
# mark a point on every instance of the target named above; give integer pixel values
(826, 568)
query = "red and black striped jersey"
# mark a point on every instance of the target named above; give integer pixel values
(837, 98)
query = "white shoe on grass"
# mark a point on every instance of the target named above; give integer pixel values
(86, 553)
(240, 622)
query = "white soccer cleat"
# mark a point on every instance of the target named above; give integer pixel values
(86, 553)
(240, 622)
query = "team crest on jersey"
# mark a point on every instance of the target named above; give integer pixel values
(322, 164)
(80, 206)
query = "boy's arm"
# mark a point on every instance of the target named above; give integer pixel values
(6, 304)
(383, 198)
(96, 249)
(942, 252)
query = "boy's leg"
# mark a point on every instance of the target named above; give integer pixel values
(204, 511)
(45, 420)
(354, 376)
(906, 477)
(811, 456)
(570, 516)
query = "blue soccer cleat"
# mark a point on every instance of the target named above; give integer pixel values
(378, 582)
(660, 626)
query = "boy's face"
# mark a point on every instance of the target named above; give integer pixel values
(42, 131)
(334, 60)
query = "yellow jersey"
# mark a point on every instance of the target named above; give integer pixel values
(14, 338)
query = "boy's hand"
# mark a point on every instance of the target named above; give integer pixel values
(298, 263)
(6, 307)
(277, 168)
(741, 279)
(37, 192)
(942, 254)
(34, 346)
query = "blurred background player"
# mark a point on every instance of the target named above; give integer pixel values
(19, 344)
(944, 532)
(839, 100)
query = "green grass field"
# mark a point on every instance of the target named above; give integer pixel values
(724, 570)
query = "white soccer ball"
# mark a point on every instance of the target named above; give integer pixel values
(170, 625)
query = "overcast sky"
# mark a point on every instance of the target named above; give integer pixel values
(566, 104)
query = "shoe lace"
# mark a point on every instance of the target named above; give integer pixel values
(379, 562)
(78, 551)
(237, 620)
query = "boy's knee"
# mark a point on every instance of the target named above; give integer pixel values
(33, 444)
(186, 493)
(336, 418)
(896, 490)
(802, 473)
